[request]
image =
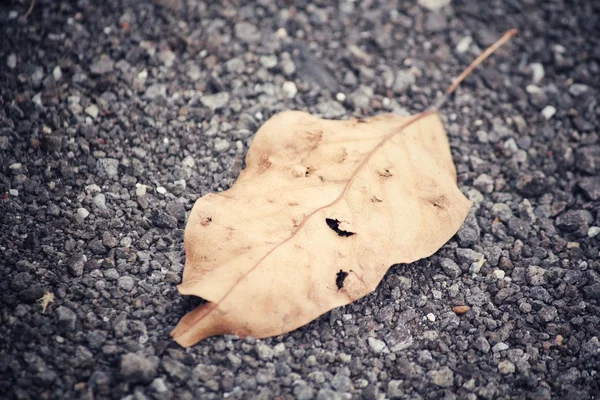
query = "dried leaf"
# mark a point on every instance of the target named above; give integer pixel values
(322, 210)
(45, 300)
(314, 222)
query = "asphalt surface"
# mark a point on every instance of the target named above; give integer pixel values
(115, 117)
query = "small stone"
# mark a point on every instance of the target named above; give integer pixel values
(443, 377)
(57, 73)
(290, 89)
(188, 162)
(163, 220)
(109, 240)
(548, 112)
(593, 231)
(434, 5)
(103, 65)
(468, 256)
(99, 201)
(76, 264)
(430, 317)
(518, 228)
(403, 81)
(590, 349)
(11, 61)
(13, 192)
(587, 159)
(394, 389)
(159, 386)
(484, 183)
(500, 346)
(577, 89)
(82, 213)
(66, 318)
(450, 267)
(376, 345)
(246, 32)
(399, 339)
(469, 232)
(499, 274)
(92, 111)
(156, 90)
(140, 190)
(464, 44)
(264, 352)
(534, 184)
(341, 97)
(574, 220)
(126, 283)
(221, 145)
(215, 101)
(302, 390)
(482, 344)
(269, 61)
(459, 310)
(537, 71)
(161, 190)
(536, 276)
(137, 368)
(547, 314)
(107, 167)
(506, 367)
(341, 383)
(590, 186)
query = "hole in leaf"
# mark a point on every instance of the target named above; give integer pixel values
(339, 278)
(334, 225)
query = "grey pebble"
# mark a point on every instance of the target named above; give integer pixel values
(126, 283)
(138, 368)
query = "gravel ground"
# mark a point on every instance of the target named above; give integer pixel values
(115, 118)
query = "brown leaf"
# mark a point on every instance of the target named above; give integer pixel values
(321, 212)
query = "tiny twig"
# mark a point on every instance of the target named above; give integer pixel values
(29, 10)
(481, 58)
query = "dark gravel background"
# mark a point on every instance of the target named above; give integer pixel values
(115, 117)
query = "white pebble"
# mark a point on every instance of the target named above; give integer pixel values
(92, 111)
(593, 231)
(376, 345)
(82, 213)
(13, 192)
(548, 112)
(434, 5)
(189, 162)
(290, 89)
(537, 70)
(341, 97)
(140, 190)
(100, 201)
(11, 61)
(15, 166)
(464, 44)
(57, 73)
(499, 274)
(431, 317)
(161, 190)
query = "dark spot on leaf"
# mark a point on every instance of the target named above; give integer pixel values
(440, 202)
(385, 173)
(334, 224)
(339, 278)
